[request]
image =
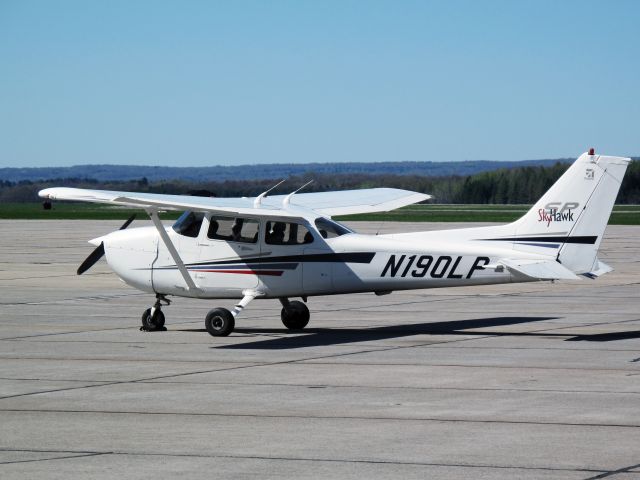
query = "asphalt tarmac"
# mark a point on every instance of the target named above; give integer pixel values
(519, 381)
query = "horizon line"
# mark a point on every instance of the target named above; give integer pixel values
(292, 164)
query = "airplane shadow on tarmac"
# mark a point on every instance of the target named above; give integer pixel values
(313, 337)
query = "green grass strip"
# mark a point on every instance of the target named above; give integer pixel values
(622, 214)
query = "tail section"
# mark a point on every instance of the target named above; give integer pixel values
(570, 218)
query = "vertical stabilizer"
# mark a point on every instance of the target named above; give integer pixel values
(570, 218)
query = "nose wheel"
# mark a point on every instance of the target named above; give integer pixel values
(153, 318)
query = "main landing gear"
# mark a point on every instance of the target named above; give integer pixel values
(294, 314)
(153, 318)
(220, 322)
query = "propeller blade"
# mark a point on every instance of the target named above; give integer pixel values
(91, 259)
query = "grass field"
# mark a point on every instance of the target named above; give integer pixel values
(72, 211)
(622, 214)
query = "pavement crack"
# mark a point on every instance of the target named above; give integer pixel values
(370, 461)
(35, 460)
(614, 472)
(323, 417)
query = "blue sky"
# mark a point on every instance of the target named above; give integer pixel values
(190, 83)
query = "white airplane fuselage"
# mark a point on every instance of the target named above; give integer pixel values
(347, 264)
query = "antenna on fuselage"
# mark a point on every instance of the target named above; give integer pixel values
(287, 199)
(258, 199)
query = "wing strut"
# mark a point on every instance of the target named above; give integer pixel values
(172, 249)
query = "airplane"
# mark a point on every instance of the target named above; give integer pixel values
(287, 246)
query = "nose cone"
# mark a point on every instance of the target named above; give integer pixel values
(97, 241)
(137, 239)
(130, 254)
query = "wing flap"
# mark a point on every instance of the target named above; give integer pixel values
(539, 269)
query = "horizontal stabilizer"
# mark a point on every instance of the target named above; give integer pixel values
(539, 269)
(601, 269)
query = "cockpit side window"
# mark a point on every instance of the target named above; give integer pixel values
(330, 229)
(189, 224)
(233, 229)
(286, 233)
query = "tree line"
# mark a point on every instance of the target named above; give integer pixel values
(520, 185)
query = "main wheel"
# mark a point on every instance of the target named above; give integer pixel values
(219, 322)
(152, 323)
(295, 316)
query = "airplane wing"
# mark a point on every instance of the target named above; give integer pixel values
(539, 269)
(347, 202)
(324, 203)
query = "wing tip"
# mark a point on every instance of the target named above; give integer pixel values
(47, 193)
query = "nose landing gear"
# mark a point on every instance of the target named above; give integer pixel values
(153, 318)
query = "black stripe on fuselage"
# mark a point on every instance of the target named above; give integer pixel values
(586, 240)
(355, 257)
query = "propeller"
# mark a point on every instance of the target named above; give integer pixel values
(99, 251)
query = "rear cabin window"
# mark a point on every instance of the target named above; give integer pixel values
(330, 229)
(287, 233)
(233, 229)
(189, 224)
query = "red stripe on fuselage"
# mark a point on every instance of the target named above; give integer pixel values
(273, 273)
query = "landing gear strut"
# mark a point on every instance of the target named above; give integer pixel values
(294, 314)
(153, 318)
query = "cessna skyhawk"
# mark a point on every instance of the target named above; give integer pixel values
(288, 246)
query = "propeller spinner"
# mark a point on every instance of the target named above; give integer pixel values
(99, 251)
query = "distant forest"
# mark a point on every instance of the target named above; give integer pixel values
(519, 185)
(221, 173)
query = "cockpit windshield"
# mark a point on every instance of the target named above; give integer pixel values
(330, 229)
(189, 224)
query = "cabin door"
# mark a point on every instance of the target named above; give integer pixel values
(229, 254)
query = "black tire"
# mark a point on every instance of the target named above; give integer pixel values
(219, 322)
(295, 316)
(152, 324)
